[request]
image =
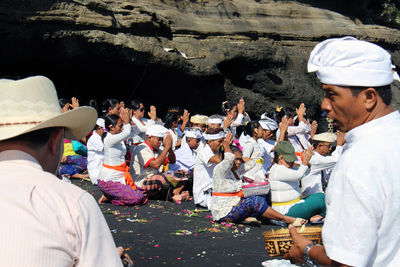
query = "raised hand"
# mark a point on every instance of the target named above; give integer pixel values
(167, 142)
(74, 103)
(152, 113)
(300, 111)
(228, 120)
(241, 106)
(125, 115)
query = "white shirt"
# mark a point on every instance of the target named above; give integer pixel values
(114, 154)
(298, 136)
(254, 150)
(141, 129)
(284, 184)
(202, 175)
(268, 145)
(47, 222)
(185, 158)
(312, 183)
(95, 156)
(362, 224)
(224, 181)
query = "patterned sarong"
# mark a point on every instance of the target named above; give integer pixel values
(73, 165)
(122, 194)
(253, 206)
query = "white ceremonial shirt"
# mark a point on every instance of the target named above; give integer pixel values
(47, 222)
(268, 145)
(224, 181)
(114, 154)
(312, 182)
(298, 136)
(285, 186)
(362, 224)
(202, 176)
(95, 156)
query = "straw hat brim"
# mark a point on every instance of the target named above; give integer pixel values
(77, 123)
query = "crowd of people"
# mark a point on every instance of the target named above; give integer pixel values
(277, 167)
(132, 157)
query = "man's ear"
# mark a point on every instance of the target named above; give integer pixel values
(370, 98)
(56, 139)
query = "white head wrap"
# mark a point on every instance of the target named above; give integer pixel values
(268, 124)
(193, 134)
(100, 122)
(350, 62)
(217, 136)
(215, 121)
(156, 130)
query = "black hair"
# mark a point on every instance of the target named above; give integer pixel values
(107, 104)
(35, 139)
(135, 104)
(170, 118)
(279, 113)
(226, 105)
(214, 130)
(250, 127)
(276, 157)
(63, 102)
(235, 149)
(384, 92)
(109, 120)
(177, 110)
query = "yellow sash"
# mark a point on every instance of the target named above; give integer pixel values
(286, 203)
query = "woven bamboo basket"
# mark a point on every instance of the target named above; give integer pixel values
(279, 242)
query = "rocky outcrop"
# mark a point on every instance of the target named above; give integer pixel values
(193, 54)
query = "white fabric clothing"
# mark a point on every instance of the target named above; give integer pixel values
(285, 186)
(298, 136)
(95, 156)
(268, 145)
(114, 154)
(319, 165)
(241, 119)
(185, 159)
(47, 222)
(141, 129)
(252, 149)
(362, 224)
(202, 177)
(224, 181)
(350, 62)
(142, 155)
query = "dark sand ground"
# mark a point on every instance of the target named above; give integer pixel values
(149, 234)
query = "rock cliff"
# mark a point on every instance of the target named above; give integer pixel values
(194, 53)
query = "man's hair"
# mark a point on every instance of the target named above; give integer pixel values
(384, 92)
(35, 139)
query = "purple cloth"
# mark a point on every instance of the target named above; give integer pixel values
(122, 194)
(73, 165)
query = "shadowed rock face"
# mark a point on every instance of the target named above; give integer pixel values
(225, 49)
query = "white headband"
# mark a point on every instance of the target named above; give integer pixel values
(350, 62)
(217, 136)
(268, 124)
(157, 131)
(100, 122)
(215, 121)
(193, 134)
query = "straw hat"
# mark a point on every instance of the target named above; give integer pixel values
(31, 104)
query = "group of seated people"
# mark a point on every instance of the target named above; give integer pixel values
(211, 159)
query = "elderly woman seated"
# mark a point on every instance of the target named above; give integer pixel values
(228, 203)
(284, 178)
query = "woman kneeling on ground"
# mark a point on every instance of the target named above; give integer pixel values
(228, 203)
(284, 178)
(115, 180)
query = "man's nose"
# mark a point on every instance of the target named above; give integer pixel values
(325, 105)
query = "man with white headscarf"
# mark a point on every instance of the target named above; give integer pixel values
(363, 196)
